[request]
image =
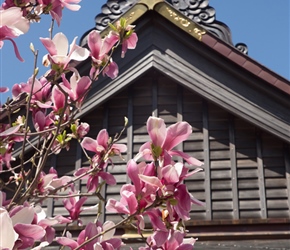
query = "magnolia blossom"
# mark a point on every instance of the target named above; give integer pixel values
(77, 87)
(163, 140)
(60, 53)
(55, 7)
(103, 151)
(99, 53)
(12, 24)
(125, 34)
(103, 242)
(40, 90)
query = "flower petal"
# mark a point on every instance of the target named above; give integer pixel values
(157, 130)
(8, 236)
(176, 134)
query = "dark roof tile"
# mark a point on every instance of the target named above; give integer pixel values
(222, 48)
(252, 67)
(267, 77)
(237, 58)
(209, 40)
(283, 86)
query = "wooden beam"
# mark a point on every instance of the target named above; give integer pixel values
(207, 179)
(233, 160)
(261, 179)
(50, 201)
(102, 216)
(287, 169)
(155, 94)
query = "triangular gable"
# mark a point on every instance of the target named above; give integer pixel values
(173, 44)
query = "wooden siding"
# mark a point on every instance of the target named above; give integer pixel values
(246, 171)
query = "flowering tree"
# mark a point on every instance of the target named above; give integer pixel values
(46, 123)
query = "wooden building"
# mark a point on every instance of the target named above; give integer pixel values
(185, 67)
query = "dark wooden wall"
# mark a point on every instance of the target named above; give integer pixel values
(246, 173)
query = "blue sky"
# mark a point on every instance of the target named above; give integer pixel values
(264, 25)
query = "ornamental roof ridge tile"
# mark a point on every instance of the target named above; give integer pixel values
(198, 11)
(220, 41)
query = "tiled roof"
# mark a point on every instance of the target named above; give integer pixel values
(246, 62)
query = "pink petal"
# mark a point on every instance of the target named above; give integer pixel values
(110, 234)
(176, 134)
(89, 144)
(64, 241)
(82, 87)
(4, 89)
(95, 43)
(132, 41)
(8, 236)
(189, 159)
(103, 138)
(31, 231)
(151, 180)
(61, 44)
(131, 201)
(157, 130)
(108, 43)
(133, 171)
(49, 45)
(79, 54)
(58, 99)
(23, 215)
(116, 207)
(10, 130)
(108, 178)
(156, 219)
(81, 171)
(111, 70)
(170, 174)
(16, 51)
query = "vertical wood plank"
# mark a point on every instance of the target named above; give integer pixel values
(179, 98)
(130, 128)
(261, 179)
(102, 216)
(287, 168)
(50, 201)
(155, 94)
(179, 102)
(233, 161)
(206, 160)
(78, 164)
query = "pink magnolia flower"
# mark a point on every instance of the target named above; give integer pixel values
(125, 34)
(172, 239)
(60, 53)
(104, 242)
(22, 218)
(170, 188)
(41, 92)
(99, 53)
(50, 181)
(103, 151)
(77, 87)
(12, 24)
(163, 140)
(42, 121)
(55, 7)
(47, 223)
(74, 206)
(79, 130)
